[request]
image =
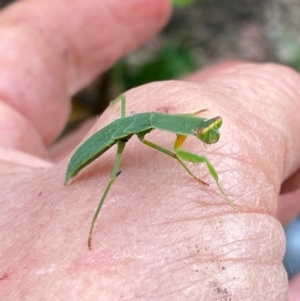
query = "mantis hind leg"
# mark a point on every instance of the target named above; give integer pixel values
(115, 172)
(141, 137)
(194, 158)
(121, 98)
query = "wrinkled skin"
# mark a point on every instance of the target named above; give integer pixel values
(160, 236)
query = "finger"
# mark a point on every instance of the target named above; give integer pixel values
(14, 130)
(294, 289)
(211, 71)
(50, 49)
(288, 203)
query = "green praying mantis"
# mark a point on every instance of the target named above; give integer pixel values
(122, 129)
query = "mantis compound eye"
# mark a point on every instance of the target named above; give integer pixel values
(209, 137)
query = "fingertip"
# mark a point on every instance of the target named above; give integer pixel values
(58, 50)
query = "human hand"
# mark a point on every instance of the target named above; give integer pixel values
(160, 236)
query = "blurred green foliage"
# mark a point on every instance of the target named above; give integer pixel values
(183, 2)
(169, 62)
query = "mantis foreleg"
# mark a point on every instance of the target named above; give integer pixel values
(121, 145)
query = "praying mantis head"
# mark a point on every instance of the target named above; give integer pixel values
(209, 131)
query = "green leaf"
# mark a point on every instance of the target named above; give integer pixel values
(170, 62)
(183, 2)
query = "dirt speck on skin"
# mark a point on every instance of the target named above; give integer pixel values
(221, 291)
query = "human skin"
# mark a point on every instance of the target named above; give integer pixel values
(160, 236)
